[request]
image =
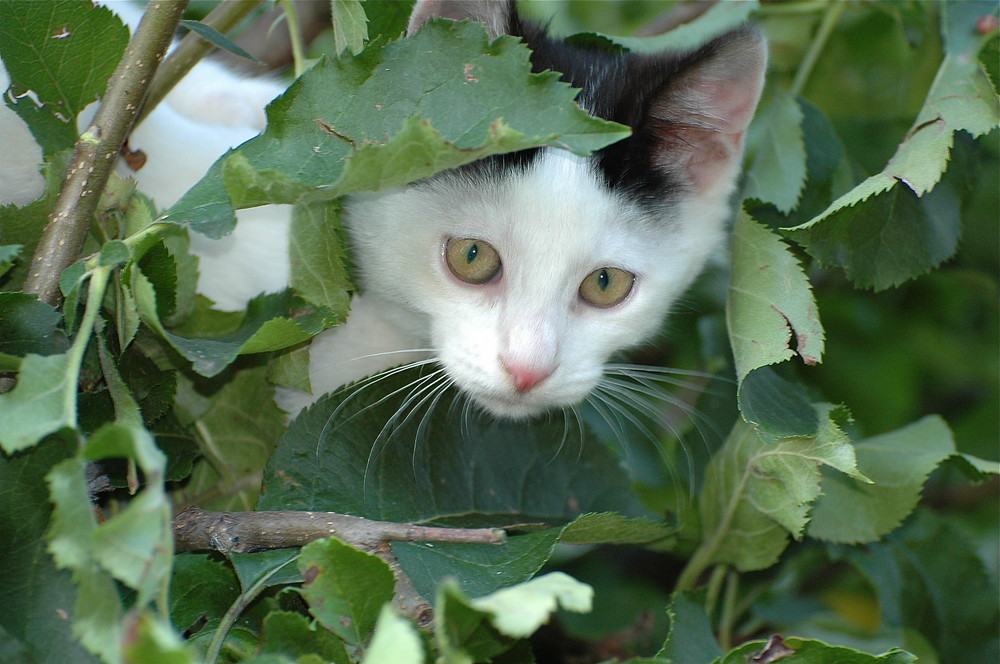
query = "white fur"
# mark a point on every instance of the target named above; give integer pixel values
(552, 226)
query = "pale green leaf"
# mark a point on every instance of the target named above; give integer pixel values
(395, 641)
(150, 640)
(756, 493)
(771, 316)
(97, 613)
(520, 610)
(318, 260)
(345, 588)
(897, 463)
(42, 402)
(8, 253)
(136, 544)
(778, 172)
(464, 634)
(613, 528)
(350, 25)
(770, 300)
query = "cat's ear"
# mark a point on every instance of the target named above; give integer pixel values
(494, 13)
(699, 119)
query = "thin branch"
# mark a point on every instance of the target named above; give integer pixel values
(247, 532)
(192, 48)
(96, 150)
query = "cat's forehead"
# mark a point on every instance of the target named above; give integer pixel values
(552, 200)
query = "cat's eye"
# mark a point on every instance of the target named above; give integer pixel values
(606, 287)
(473, 261)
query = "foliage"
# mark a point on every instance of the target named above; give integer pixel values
(855, 529)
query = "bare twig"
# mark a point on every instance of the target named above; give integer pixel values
(247, 532)
(193, 48)
(98, 147)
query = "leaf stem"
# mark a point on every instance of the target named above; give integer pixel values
(831, 17)
(295, 35)
(95, 300)
(728, 615)
(193, 48)
(97, 149)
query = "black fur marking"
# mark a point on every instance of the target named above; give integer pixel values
(615, 86)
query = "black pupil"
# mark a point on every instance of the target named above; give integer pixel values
(603, 280)
(471, 254)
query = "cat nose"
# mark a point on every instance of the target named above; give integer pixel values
(525, 378)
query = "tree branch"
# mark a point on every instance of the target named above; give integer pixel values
(98, 147)
(247, 532)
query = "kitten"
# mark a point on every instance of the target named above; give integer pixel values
(523, 274)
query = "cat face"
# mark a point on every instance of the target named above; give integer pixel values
(527, 280)
(525, 274)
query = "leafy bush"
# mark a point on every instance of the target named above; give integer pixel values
(751, 507)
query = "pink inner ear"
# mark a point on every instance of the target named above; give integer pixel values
(729, 104)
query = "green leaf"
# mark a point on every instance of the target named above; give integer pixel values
(28, 325)
(891, 237)
(479, 569)
(148, 639)
(36, 593)
(63, 52)
(350, 25)
(395, 641)
(691, 639)
(719, 18)
(913, 236)
(97, 612)
(318, 260)
(778, 171)
(610, 528)
(271, 321)
(238, 428)
(755, 494)
(213, 36)
(464, 633)
(810, 651)
(455, 98)
(42, 402)
(928, 577)
(8, 253)
(267, 568)
(135, 546)
(769, 301)
(113, 253)
(520, 610)
(898, 464)
(356, 452)
(345, 588)
(202, 588)
(292, 635)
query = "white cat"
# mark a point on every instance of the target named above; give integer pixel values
(520, 274)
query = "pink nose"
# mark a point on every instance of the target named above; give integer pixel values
(525, 378)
